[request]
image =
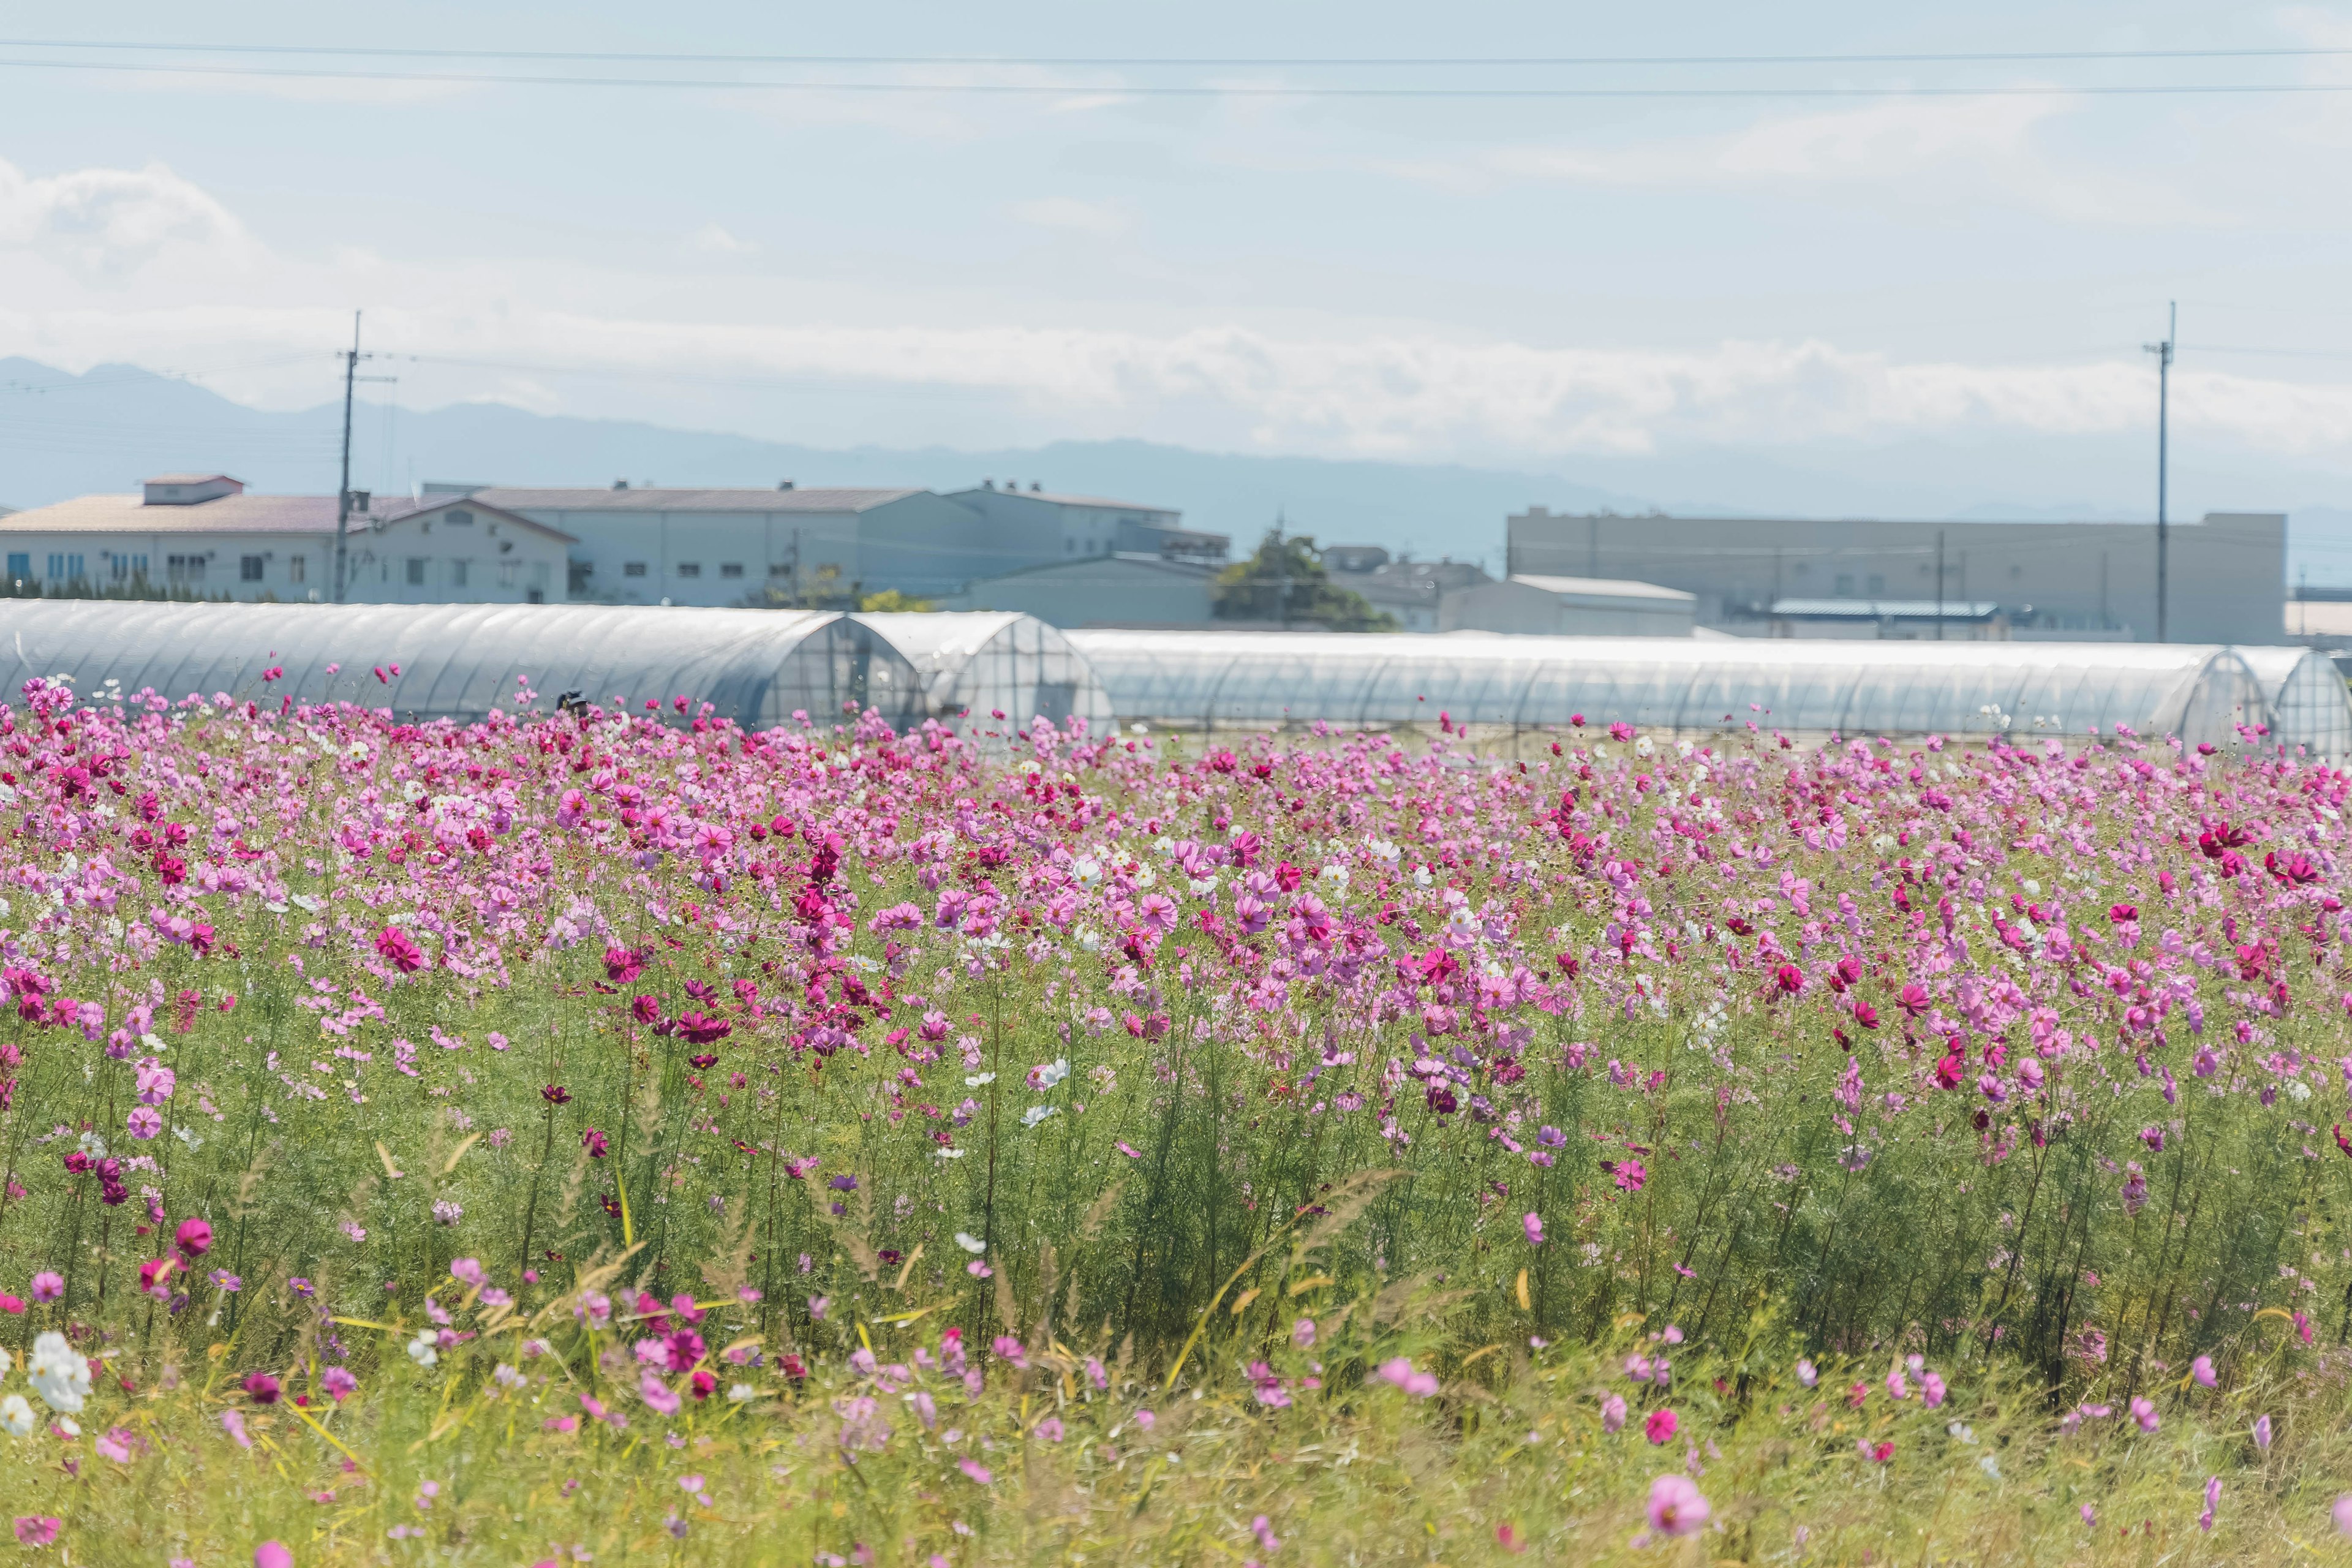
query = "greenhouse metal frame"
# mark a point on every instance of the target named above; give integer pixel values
(977, 665)
(757, 667)
(1215, 681)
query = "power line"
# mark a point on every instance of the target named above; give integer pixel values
(1191, 90)
(1998, 57)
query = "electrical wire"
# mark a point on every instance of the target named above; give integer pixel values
(1198, 90)
(1300, 62)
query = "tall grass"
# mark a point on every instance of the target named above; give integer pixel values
(2020, 1063)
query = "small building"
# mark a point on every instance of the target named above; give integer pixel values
(203, 533)
(1126, 589)
(1533, 604)
(1971, 620)
(1037, 527)
(1410, 590)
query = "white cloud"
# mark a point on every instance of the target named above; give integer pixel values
(711, 239)
(1071, 215)
(1201, 376)
(1908, 150)
(105, 224)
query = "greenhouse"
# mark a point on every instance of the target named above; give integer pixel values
(996, 669)
(757, 667)
(1216, 680)
(2306, 696)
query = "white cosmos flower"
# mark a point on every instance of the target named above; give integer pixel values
(969, 1242)
(423, 1349)
(15, 1416)
(1036, 1113)
(59, 1373)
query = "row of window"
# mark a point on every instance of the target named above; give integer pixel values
(416, 570)
(694, 569)
(65, 566)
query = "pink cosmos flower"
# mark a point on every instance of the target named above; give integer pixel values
(1398, 1372)
(1661, 1425)
(1612, 1414)
(49, 1286)
(657, 1394)
(1534, 1223)
(1676, 1506)
(37, 1530)
(2144, 1412)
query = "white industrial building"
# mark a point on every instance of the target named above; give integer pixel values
(821, 547)
(826, 547)
(203, 534)
(2049, 581)
(1532, 604)
(1131, 589)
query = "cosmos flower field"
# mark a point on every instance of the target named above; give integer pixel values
(606, 1135)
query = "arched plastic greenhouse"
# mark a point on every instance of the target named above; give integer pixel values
(1216, 680)
(460, 661)
(983, 663)
(2306, 696)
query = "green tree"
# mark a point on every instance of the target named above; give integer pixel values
(1285, 582)
(892, 599)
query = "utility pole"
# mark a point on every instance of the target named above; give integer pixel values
(1939, 584)
(1282, 563)
(344, 495)
(2163, 353)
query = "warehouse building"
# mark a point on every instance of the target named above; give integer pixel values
(203, 535)
(2062, 581)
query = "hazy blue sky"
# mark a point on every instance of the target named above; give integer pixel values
(1527, 282)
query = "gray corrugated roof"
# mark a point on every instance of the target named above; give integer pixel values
(236, 514)
(1885, 609)
(583, 498)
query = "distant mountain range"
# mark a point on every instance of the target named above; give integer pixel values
(63, 434)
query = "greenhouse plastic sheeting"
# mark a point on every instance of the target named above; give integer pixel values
(460, 661)
(1217, 680)
(2309, 704)
(982, 663)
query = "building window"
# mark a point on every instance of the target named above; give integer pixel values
(535, 597)
(56, 564)
(633, 569)
(298, 568)
(1845, 585)
(1877, 584)
(248, 568)
(779, 569)
(459, 517)
(184, 571)
(416, 570)
(690, 568)
(506, 573)
(730, 569)
(457, 573)
(20, 565)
